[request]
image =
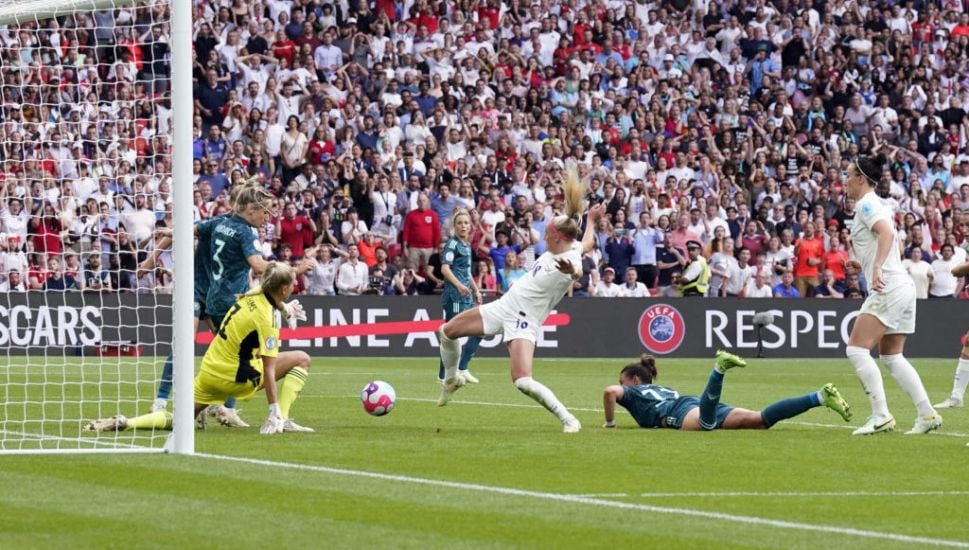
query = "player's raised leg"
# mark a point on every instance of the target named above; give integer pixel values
(466, 323)
(711, 394)
(522, 352)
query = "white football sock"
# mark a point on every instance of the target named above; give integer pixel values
(962, 379)
(871, 379)
(450, 355)
(539, 392)
(908, 378)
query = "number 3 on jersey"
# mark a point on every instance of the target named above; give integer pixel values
(217, 273)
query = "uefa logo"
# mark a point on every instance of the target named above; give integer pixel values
(662, 329)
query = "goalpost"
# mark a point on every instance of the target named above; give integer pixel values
(81, 86)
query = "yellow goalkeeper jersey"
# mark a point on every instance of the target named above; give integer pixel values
(250, 330)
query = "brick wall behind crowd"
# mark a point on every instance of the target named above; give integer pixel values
(392, 327)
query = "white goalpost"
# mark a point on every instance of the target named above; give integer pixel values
(95, 150)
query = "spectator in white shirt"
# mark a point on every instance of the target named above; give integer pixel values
(15, 218)
(632, 288)
(13, 259)
(944, 283)
(920, 271)
(607, 287)
(759, 287)
(353, 277)
(13, 282)
(321, 278)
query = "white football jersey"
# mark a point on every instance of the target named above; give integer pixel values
(543, 286)
(869, 210)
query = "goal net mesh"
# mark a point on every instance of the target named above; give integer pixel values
(85, 192)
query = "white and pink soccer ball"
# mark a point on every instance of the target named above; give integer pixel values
(378, 398)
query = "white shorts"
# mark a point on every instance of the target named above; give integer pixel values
(503, 318)
(895, 308)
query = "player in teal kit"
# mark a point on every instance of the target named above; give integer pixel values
(233, 251)
(654, 406)
(203, 231)
(460, 291)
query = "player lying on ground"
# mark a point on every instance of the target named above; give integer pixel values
(243, 359)
(655, 406)
(520, 313)
(887, 315)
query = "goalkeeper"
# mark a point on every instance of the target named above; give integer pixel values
(243, 359)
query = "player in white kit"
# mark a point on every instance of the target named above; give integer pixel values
(887, 316)
(520, 313)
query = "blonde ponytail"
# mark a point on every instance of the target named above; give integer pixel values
(574, 189)
(567, 225)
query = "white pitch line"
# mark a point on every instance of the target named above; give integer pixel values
(575, 499)
(778, 494)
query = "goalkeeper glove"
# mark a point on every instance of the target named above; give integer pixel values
(274, 422)
(294, 312)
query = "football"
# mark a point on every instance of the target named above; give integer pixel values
(378, 398)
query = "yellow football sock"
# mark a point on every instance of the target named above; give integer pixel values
(161, 420)
(293, 383)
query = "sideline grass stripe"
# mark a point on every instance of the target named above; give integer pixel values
(733, 518)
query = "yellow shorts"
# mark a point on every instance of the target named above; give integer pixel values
(211, 389)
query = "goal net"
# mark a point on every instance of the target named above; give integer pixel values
(85, 189)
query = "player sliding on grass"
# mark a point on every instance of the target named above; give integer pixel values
(655, 406)
(460, 291)
(243, 359)
(519, 314)
(887, 316)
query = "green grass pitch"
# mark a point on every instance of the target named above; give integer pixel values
(804, 484)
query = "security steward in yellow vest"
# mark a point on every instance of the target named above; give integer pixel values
(696, 276)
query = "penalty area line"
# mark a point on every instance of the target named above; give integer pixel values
(597, 502)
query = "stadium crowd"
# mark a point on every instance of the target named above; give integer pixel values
(720, 131)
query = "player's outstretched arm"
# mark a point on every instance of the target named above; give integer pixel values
(610, 396)
(144, 267)
(258, 264)
(592, 219)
